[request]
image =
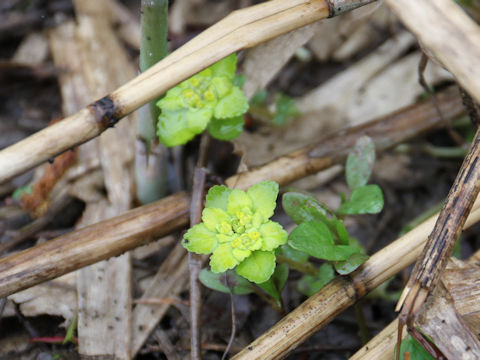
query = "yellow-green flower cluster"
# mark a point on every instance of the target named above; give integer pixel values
(237, 231)
(208, 99)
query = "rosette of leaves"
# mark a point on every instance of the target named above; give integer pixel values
(208, 100)
(236, 229)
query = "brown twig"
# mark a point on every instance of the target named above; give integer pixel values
(137, 227)
(318, 310)
(195, 261)
(441, 241)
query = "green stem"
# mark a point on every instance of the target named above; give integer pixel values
(362, 324)
(153, 47)
(150, 158)
(268, 299)
(306, 268)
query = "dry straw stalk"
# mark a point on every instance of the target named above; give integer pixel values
(241, 29)
(136, 227)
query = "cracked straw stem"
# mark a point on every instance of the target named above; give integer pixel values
(241, 29)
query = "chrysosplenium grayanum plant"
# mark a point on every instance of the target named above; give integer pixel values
(236, 229)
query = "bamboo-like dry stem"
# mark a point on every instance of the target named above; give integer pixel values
(340, 293)
(136, 227)
(242, 29)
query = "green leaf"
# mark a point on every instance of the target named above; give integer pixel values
(237, 284)
(275, 284)
(352, 263)
(315, 239)
(259, 98)
(179, 127)
(233, 104)
(364, 200)
(417, 352)
(213, 217)
(342, 233)
(222, 259)
(237, 201)
(18, 193)
(225, 67)
(70, 336)
(239, 80)
(360, 162)
(264, 197)
(309, 285)
(217, 197)
(226, 129)
(294, 254)
(302, 208)
(285, 109)
(199, 239)
(273, 235)
(258, 267)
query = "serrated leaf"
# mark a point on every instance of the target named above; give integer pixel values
(258, 267)
(360, 162)
(233, 104)
(364, 200)
(264, 197)
(225, 67)
(226, 129)
(315, 239)
(417, 352)
(351, 264)
(217, 197)
(178, 127)
(219, 282)
(309, 285)
(302, 208)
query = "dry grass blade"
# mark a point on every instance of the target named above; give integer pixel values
(136, 227)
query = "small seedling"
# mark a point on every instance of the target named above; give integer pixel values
(210, 100)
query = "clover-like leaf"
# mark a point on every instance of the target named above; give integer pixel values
(360, 162)
(235, 103)
(226, 129)
(199, 239)
(366, 199)
(264, 196)
(273, 235)
(258, 267)
(217, 197)
(225, 282)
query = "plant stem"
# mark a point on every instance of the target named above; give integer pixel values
(150, 158)
(195, 261)
(306, 268)
(362, 324)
